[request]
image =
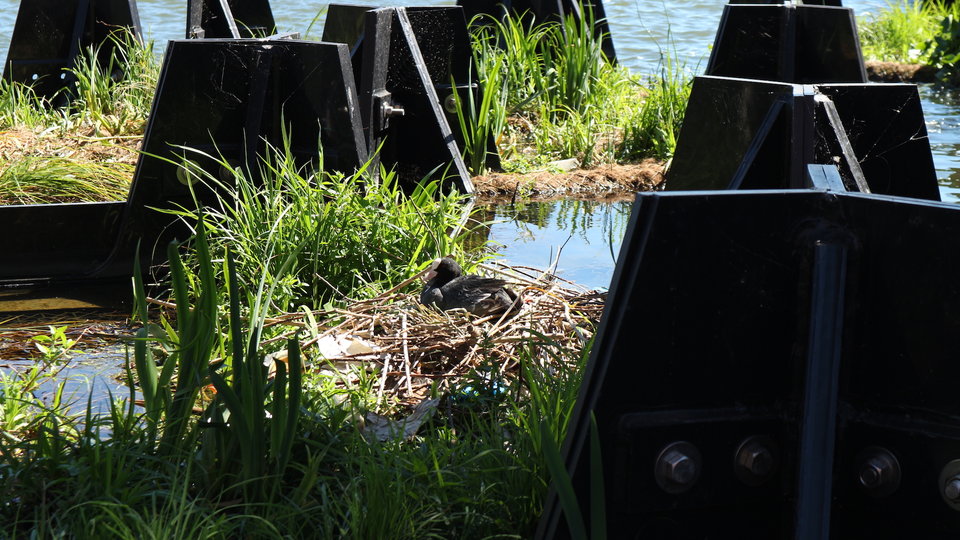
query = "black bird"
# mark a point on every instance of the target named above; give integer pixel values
(448, 288)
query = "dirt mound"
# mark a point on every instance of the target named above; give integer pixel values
(595, 182)
(896, 72)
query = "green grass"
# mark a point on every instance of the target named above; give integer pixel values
(36, 180)
(112, 99)
(275, 458)
(104, 106)
(562, 98)
(285, 457)
(916, 32)
(318, 237)
(900, 31)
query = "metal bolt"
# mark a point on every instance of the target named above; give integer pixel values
(450, 104)
(949, 482)
(678, 467)
(951, 490)
(755, 460)
(879, 472)
(871, 475)
(389, 111)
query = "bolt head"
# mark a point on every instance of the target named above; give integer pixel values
(871, 475)
(755, 460)
(677, 467)
(879, 472)
(758, 460)
(952, 489)
(450, 104)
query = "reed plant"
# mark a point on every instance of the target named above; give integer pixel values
(900, 31)
(283, 457)
(114, 97)
(39, 180)
(112, 94)
(655, 125)
(342, 235)
(564, 99)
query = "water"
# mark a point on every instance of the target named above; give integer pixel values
(95, 374)
(642, 30)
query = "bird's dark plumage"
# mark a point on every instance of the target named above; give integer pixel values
(448, 288)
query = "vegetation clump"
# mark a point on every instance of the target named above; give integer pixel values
(553, 95)
(239, 421)
(913, 40)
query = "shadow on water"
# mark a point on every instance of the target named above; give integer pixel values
(583, 235)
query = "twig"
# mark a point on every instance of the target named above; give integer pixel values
(406, 352)
(383, 378)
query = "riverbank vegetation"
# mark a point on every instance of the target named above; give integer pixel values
(550, 96)
(290, 384)
(557, 97)
(223, 446)
(925, 33)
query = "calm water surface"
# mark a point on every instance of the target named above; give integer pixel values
(641, 30)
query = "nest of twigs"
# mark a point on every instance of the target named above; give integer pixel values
(414, 348)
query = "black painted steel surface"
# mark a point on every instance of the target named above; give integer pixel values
(49, 35)
(788, 43)
(735, 320)
(753, 134)
(408, 63)
(229, 19)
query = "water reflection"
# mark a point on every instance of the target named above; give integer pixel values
(96, 375)
(941, 109)
(585, 234)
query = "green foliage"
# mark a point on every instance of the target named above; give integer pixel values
(482, 122)
(284, 457)
(251, 421)
(115, 98)
(564, 99)
(35, 180)
(943, 49)
(112, 99)
(654, 129)
(899, 32)
(341, 236)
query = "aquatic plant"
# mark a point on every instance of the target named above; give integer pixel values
(112, 99)
(38, 180)
(346, 236)
(943, 48)
(115, 99)
(308, 467)
(564, 99)
(899, 32)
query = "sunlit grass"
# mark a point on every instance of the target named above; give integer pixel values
(41, 180)
(900, 31)
(344, 237)
(564, 99)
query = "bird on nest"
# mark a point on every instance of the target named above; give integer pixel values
(449, 288)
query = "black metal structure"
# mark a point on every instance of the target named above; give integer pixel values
(218, 104)
(753, 134)
(229, 19)
(776, 364)
(834, 3)
(796, 43)
(547, 10)
(49, 36)
(409, 62)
